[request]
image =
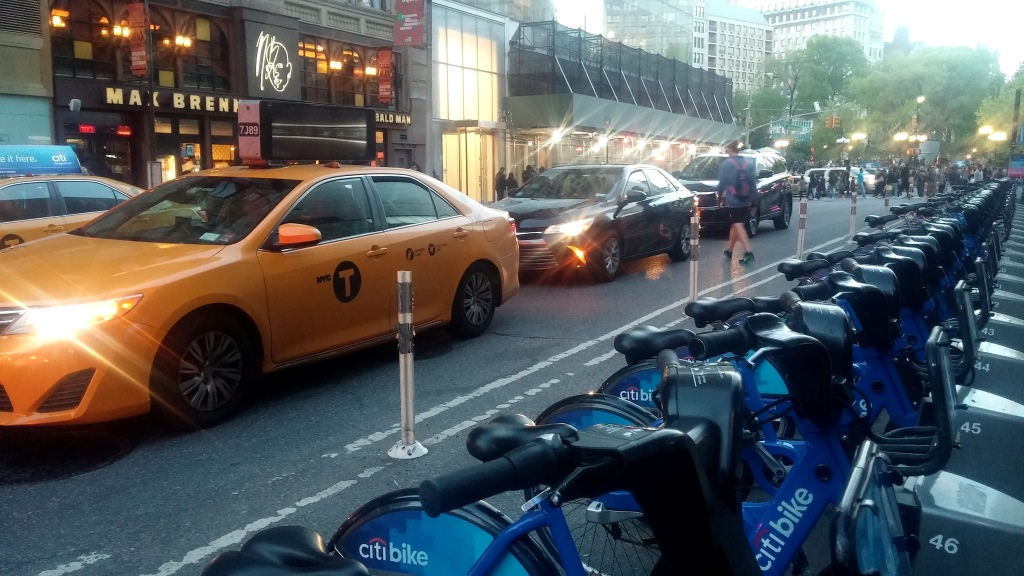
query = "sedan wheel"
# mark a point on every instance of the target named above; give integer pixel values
(752, 223)
(782, 222)
(680, 252)
(474, 304)
(204, 371)
(607, 259)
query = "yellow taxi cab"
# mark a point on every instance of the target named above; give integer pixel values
(41, 197)
(179, 298)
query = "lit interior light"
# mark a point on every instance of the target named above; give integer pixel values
(335, 65)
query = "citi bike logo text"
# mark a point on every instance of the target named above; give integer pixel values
(772, 539)
(634, 394)
(379, 549)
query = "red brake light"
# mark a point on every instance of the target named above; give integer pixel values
(511, 223)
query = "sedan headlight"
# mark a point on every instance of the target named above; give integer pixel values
(570, 228)
(55, 322)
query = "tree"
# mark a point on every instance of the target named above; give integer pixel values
(829, 63)
(954, 82)
(765, 105)
(787, 72)
(997, 111)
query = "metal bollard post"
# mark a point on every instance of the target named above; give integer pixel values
(406, 448)
(694, 252)
(801, 227)
(853, 214)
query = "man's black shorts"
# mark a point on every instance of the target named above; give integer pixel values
(738, 215)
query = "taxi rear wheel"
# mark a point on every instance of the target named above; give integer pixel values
(204, 371)
(475, 301)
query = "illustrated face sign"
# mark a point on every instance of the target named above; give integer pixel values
(273, 67)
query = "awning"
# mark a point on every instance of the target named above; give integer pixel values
(573, 112)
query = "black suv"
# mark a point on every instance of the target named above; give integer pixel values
(773, 200)
(596, 216)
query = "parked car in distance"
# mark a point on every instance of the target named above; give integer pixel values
(773, 198)
(33, 207)
(597, 216)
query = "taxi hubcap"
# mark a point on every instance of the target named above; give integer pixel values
(210, 371)
(477, 298)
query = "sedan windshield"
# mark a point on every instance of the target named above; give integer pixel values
(701, 168)
(193, 210)
(571, 182)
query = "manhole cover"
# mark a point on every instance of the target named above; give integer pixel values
(42, 455)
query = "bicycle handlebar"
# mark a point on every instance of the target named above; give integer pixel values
(537, 462)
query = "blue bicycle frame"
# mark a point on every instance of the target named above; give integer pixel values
(544, 516)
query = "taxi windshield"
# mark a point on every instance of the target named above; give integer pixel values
(193, 210)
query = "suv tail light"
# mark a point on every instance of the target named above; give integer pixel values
(511, 223)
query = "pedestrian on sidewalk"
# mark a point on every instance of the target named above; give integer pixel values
(737, 179)
(860, 183)
(500, 184)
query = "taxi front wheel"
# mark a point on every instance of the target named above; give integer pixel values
(475, 301)
(203, 372)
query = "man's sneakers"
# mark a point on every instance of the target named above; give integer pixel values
(728, 254)
(747, 258)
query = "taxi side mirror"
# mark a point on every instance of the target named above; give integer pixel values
(292, 235)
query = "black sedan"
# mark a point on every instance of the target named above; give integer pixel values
(596, 216)
(773, 198)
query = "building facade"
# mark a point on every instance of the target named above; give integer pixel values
(663, 27)
(797, 20)
(181, 112)
(700, 35)
(739, 40)
(26, 90)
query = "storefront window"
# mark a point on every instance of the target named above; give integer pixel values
(84, 46)
(339, 73)
(205, 65)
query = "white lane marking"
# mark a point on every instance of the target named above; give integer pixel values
(502, 382)
(235, 537)
(79, 563)
(601, 358)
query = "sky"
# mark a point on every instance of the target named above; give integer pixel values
(997, 24)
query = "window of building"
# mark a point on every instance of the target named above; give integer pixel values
(204, 66)
(85, 46)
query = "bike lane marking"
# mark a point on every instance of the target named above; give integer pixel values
(235, 537)
(79, 563)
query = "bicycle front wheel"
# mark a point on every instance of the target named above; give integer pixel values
(611, 535)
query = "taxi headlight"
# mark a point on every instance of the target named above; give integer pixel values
(54, 322)
(570, 228)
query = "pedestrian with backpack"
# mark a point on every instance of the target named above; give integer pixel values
(737, 181)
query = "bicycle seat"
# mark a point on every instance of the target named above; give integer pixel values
(644, 342)
(283, 551)
(865, 238)
(793, 269)
(707, 310)
(876, 221)
(833, 257)
(507, 432)
(769, 304)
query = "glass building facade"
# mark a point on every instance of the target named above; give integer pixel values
(468, 63)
